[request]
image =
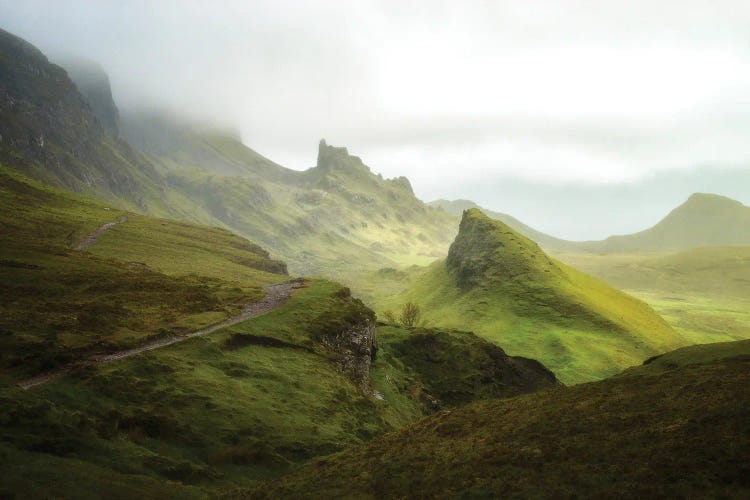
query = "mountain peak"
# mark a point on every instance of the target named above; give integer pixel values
(488, 252)
(710, 200)
(338, 158)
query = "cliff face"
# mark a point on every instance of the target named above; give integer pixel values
(487, 252)
(93, 84)
(49, 131)
(353, 350)
(347, 335)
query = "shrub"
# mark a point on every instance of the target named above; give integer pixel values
(410, 314)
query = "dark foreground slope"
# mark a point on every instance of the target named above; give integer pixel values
(676, 427)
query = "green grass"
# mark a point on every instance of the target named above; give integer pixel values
(505, 289)
(143, 278)
(703, 293)
(240, 406)
(680, 431)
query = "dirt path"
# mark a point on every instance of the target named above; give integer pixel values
(90, 239)
(276, 296)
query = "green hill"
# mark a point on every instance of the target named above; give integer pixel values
(704, 293)
(505, 288)
(704, 220)
(330, 219)
(241, 405)
(138, 281)
(676, 427)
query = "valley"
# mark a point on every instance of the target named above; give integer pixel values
(182, 317)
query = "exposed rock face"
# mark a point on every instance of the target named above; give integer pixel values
(354, 350)
(93, 84)
(487, 252)
(332, 158)
(50, 132)
(347, 334)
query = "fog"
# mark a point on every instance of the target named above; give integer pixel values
(582, 118)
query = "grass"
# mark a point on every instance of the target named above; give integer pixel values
(679, 431)
(504, 288)
(703, 293)
(233, 409)
(138, 281)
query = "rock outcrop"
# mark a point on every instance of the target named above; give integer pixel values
(347, 335)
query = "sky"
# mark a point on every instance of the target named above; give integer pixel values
(581, 118)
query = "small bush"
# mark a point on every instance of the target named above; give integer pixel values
(410, 314)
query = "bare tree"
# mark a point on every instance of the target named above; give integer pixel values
(410, 314)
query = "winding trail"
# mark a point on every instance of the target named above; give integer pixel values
(276, 296)
(91, 238)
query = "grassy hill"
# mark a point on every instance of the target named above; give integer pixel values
(330, 219)
(139, 280)
(704, 220)
(502, 286)
(676, 427)
(704, 293)
(242, 405)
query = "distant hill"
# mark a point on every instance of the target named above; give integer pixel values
(704, 220)
(330, 219)
(501, 285)
(456, 207)
(705, 271)
(681, 418)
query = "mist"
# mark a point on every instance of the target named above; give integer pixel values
(578, 119)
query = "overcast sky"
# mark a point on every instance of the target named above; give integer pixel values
(527, 107)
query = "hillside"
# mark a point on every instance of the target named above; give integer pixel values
(82, 283)
(330, 219)
(457, 207)
(676, 427)
(704, 293)
(502, 286)
(136, 281)
(704, 220)
(50, 133)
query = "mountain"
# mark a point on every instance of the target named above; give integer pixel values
(50, 132)
(502, 286)
(98, 308)
(676, 427)
(93, 84)
(329, 219)
(457, 207)
(704, 220)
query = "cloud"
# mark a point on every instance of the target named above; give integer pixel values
(451, 94)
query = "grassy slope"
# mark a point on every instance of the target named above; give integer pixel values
(703, 220)
(242, 405)
(328, 220)
(704, 292)
(142, 278)
(576, 325)
(676, 427)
